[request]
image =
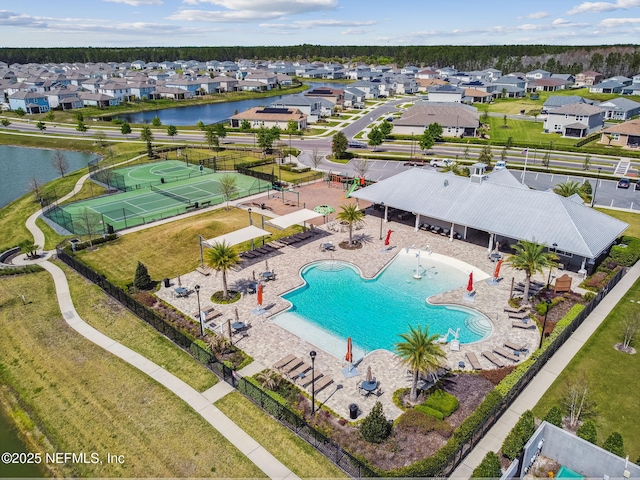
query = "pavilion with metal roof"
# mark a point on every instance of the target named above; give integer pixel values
(498, 206)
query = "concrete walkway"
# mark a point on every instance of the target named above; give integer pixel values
(202, 403)
(530, 396)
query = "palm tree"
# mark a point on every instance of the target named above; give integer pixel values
(530, 257)
(566, 189)
(419, 352)
(350, 214)
(221, 257)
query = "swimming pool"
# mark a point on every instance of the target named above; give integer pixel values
(335, 303)
(566, 472)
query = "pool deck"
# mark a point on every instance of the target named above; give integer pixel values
(267, 342)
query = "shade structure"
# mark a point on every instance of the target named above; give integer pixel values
(294, 218)
(470, 284)
(234, 238)
(349, 356)
(388, 239)
(496, 272)
(260, 295)
(324, 209)
(369, 377)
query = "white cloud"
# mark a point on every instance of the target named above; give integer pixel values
(538, 15)
(288, 7)
(307, 24)
(20, 20)
(137, 3)
(599, 7)
(617, 22)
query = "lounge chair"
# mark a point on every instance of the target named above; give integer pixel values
(454, 345)
(308, 379)
(506, 354)
(519, 316)
(510, 309)
(522, 324)
(289, 367)
(323, 383)
(206, 271)
(473, 360)
(284, 361)
(493, 359)
(249, 254)
(302, 368)
(515, 347)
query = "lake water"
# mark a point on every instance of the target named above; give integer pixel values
(210, 113)
(19, 165)
(10, 442)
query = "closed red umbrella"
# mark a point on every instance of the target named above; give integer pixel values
(470, 284)
(496, 272)
(260, 294)
(349, 356)
(386, 240)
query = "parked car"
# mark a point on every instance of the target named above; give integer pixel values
(441, 162)
(637, 187)
(354, 144)
(624, 183)
(389, 119)
(500, 164)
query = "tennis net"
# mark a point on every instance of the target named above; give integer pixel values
(169, 194)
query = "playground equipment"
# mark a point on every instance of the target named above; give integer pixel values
(354, 186)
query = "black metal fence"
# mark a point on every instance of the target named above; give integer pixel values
(287, 417)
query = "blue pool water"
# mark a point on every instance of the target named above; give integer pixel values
(565, 472)
(336, 303)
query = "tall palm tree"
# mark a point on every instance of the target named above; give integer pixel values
(568, 188)
(352, 215)
(419, 352)
(530, 257)
(221, 257)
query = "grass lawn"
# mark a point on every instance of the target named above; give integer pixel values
(633, 219)
(526, 131)
(612, 377)
(80, 398)
(286, 175)
(171, 249)
(111, 318)
(304, 460)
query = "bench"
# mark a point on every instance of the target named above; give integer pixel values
(206, 203)
(190, 207)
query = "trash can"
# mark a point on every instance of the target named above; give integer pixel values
(162, 180)
(353, 411)
(110, 230)
(196, 204)
(167, 283)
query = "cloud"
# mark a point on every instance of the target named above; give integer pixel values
(137, 3)
(307, 24)
(355, 31)
(538, 15)
(599, 7)
(20, 20)
(617, 22)
(249, 10)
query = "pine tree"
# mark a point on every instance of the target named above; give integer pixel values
(615, 445)
(142, 280)
(375, 428)
(554, 416)
(588, 431)
(489, 467)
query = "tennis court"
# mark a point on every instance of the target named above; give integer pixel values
(142, 206)
(167, 171)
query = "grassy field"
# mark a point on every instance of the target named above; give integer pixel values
(633, 219)
(612, 378)
(111, 318)
(525, 131)
(75, 397)
(168, 250)
(293, 452)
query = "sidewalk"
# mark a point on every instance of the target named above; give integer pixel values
(530, 396)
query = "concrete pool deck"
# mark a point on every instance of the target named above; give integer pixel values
(267, 342)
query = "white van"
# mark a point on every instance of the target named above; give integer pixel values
(500, 164)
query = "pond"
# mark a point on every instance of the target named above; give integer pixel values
(19, 165)
(210, 113)
(10, 442)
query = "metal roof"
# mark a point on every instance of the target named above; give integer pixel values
(498, 205)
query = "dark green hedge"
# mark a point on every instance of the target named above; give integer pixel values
(627, 252)
(443, 402)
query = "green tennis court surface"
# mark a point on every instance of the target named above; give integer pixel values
(156, 173)
(137, 207)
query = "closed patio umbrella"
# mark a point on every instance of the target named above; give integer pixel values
(369, 377)
(324, 209)
(260, 295)
(349, 356)
(470, 284)
(496, 272)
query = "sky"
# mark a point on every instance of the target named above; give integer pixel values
(142, 23)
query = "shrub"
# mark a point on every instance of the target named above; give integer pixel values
(588, 296)
(588, 431)
(443, 402)
(489, 467)
(142, 279)
(375, 428)
(423, 423)
(519, 435)
(429, 411)
(627, 252)
(615, 445)
(554, 416)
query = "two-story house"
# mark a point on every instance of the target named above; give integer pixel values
(30, 102)
(575, 120)
(588, 78)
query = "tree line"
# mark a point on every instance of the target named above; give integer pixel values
(609, 60)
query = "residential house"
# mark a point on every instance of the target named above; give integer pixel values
(575, 120)
(456, 120)
(56, 96)
(268, 117)
(607, 87)
(588, 78)
(227, 84)
(371, 89)
(427, 73)
(633, 89)
(138, 65)
(71, 103)
(268, 78)
(252, 86)
(538, 74)
(284, 79)
(30, 102)
(425, 84)
(620, 109)
(354, 98)
(121, 91)
(556, 101)
(171, 93)
(188, 84)
(547, 85)
(446, 94)
(208, 85)
(471, 95)
(310, 106)
(334, 95)
(95, 99)
(570, 79)
(510, 86)
(159, 75)
(141, 90)
(625, 134)
(409, 70)
(620, 79)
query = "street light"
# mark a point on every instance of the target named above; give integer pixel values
(250, 224)
(544, 324)
(593, 198)
(312, 354)
(551, 267)
(381, 218)
(197, 289)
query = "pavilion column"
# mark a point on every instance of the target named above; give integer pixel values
(415, 227)
(464, 235)
(490, 244)
(386, 210)
(451, 232)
